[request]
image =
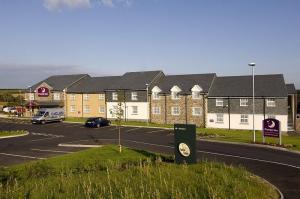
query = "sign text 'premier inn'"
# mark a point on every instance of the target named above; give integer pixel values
(43, 92)
(271, 128)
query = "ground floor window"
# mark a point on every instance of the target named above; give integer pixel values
(156, 110)
(197, 111)
(134, 110)
(220, 118)
(101, 109)
(72, 109)
(175, 110)
(244, 119)
(86, 109)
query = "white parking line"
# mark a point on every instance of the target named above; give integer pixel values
(155, 131)
(42, 150)
(132, 129)
(44, 139)
(116, 128)
(22, 156)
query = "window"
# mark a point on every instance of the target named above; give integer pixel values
(219, 102)
(115, 96)
(220, 118)
(72, 109)
(155, 96)
(101, 109)
(156, 110)
(31, 96)
(175, 95)
(101, 96)
(134, 110)
(271, 102)
(134, 96)
(86, 109)
(56, 96)
(197, 111)
(72, 97)
(244, 119)
(243, 102)
(196, 95)
(271, 117)
(175, 110)
(86, 97)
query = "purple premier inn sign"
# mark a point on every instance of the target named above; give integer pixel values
(271, 128)
(43, 92)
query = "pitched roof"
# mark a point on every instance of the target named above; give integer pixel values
(291, 89)
(136, 80)
(60, 82)
(186, 82)
(241, 86)
(93, 84)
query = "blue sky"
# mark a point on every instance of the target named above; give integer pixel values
(108, 37)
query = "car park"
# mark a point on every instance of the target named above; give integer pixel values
(96, 122)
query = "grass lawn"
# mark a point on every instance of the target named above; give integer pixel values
(105, 173)
(11, 133)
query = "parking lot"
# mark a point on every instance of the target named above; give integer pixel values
(279, 167)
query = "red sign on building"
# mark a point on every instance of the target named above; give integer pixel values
(43, 92)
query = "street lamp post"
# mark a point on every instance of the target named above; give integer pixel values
(253, 99)
(148, 112)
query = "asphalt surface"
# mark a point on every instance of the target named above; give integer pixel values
(281, 168)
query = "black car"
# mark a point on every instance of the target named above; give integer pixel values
(96, 122)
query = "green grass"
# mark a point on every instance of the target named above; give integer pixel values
(11, 133)
(105, 173)
(239, 136)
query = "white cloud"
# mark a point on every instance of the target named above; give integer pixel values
(108, 3)
(59, 4)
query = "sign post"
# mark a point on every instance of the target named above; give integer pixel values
(271, 128)
(185, 143)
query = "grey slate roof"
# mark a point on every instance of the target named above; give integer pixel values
(136, 80)
(60, 82)
(291, 89)
(93, 84)
(241, 86)
(186, 82)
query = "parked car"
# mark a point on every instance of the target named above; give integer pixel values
(96, 122)
(9, 109)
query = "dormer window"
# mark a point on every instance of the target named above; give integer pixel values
(134, 96)
(155, 93)
(114, 96)
(175, 92)
(196, 92)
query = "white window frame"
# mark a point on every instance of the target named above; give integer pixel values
(196, 113)
(72, 108)
(101, 109)
(196, 95)
(135, 110)
(155, 96)
(86, 109)
(56, 96)
(175, 95)
(86, 97)
(244, 102)
(101, 96)
(72, 97)
(134, 96)
(219, 102)
(220, 118)
(114, 96)
(175, 110)
(271, 102)
(244, 119)
(156, 110)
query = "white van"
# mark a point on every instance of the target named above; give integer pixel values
(45, 115)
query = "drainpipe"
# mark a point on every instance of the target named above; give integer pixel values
(229, 116)
(186, 117)
(165, 109)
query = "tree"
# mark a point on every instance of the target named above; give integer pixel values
(118, 113)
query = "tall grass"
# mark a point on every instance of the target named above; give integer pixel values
(141, 176)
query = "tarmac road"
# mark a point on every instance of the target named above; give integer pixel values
(281, 168)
